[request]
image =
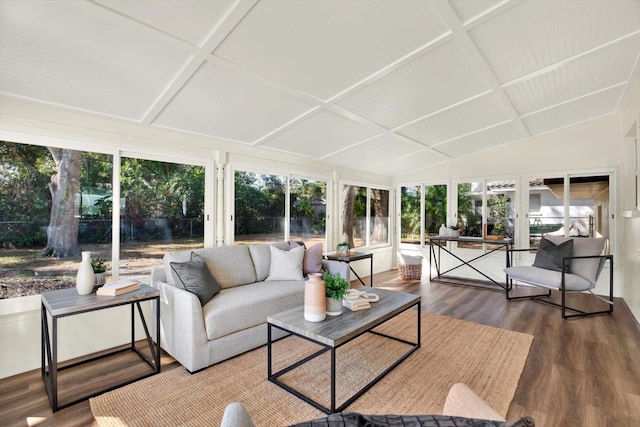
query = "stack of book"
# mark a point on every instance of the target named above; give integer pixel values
(356, 304)
(118, 288)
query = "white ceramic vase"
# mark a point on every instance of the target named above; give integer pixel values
(85, 280)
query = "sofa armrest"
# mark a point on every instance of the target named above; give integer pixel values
(463, 402)
(183, 333)
(333, 267)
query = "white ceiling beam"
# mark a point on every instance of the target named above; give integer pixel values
(449, 17)
(235, 14)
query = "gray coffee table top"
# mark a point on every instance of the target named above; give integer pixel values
(336, 330)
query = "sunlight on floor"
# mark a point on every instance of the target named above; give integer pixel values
(34, 421)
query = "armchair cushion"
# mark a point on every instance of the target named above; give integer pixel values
(588, 268)
(548, 278)
(549, 255)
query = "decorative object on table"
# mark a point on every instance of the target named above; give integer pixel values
(119, 287)
(335, 289)
(342, 248)
(85, 279)
(410, 266)
(314, 298)
(356, 300)
(99, 267)
(450, 231)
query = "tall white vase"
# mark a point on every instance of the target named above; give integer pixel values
(85, 280)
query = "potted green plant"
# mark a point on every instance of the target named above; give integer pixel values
(99, 267)
(335, 289)
(342, 248)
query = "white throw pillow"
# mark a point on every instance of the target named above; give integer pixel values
(286, 265)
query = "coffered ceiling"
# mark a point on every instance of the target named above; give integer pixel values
(388, 86)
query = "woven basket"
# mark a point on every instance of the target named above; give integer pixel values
(411, 271)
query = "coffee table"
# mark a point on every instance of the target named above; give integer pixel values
(337, 331)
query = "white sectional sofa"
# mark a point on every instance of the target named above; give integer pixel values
(234, 320)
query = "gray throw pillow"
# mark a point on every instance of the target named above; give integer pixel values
(195, 277)
(549, 255)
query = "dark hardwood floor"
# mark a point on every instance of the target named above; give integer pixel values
(580, 372)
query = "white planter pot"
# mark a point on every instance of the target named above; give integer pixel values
(334, 307)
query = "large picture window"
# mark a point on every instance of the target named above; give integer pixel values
(260, 203)
(54, 203)
(162, 209)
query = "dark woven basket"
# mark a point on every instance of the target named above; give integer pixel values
(411, 271)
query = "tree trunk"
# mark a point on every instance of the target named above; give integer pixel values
(380, 202)
(350, 192)
(62, 233)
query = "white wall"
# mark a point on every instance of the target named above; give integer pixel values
(630, 227)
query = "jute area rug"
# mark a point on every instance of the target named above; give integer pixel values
(488, 360)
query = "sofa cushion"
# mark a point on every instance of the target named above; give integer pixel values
(586, 268)
(286, 265)
(548, 278)
(549, 255)
(243, 307)
(230, 265)
(261, 257)
(312, 262)
(170, 257)
(195, 277)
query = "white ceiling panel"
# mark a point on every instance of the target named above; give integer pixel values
(217, 101)
(189, 20)
(467, 10)
(374, 151)
(462, 119)
(412, 162)
(323, 47)
(99, 63)
(542, 33)
(320, 135)
(576, 111)
(432, 82)
(483, 140)
(589, 73)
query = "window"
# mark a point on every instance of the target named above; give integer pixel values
(161, 210)
(259, 207)
(308, 211)
(260, 215)
(435, 208)
(470, 209)
(410, 218)
(501, 219)
(365, 216)
(38, 256)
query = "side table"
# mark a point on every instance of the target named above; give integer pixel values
(350, 257)
(67, 302)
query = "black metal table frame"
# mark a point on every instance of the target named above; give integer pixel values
(49, 350)
(435, 259)
(357, 257)
(273, 377)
